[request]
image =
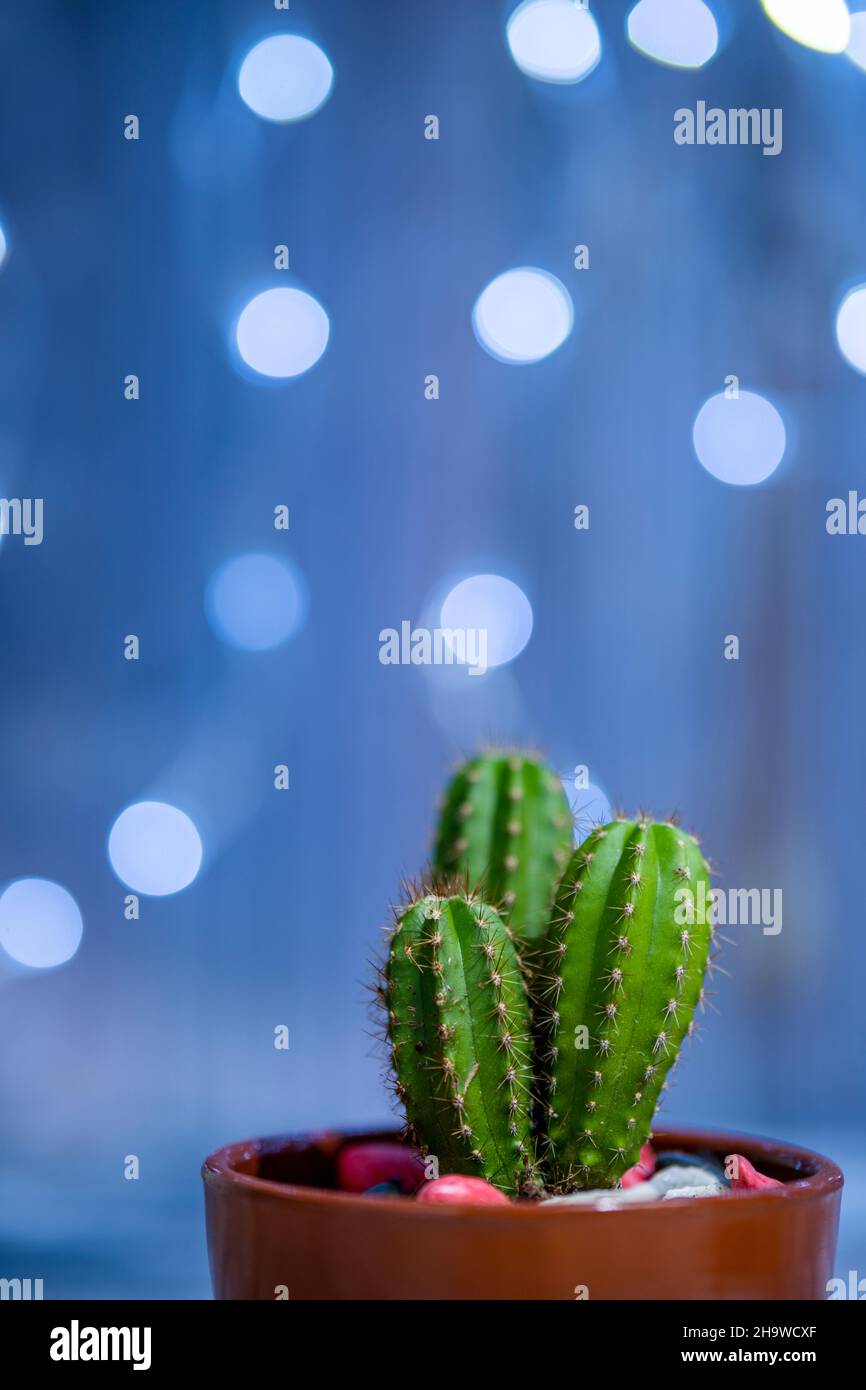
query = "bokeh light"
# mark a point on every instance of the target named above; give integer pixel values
(589, 807)
(282, 332)
(553, 40)
(40, 923)
(155, 848)
(739, 439)
(856, 48)
(255, 602)
(523, 315)
(851, 328)
(821, 24)
(3, 246)
(489, 603)
(679, 33)
(285, 78)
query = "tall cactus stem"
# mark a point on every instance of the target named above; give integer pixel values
(624, 962)
(459, 1030)
(506, 823)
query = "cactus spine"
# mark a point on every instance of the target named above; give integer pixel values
(506, 823)
(624, 973)
(458, 1024)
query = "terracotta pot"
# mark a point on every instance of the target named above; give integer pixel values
(273, 1219)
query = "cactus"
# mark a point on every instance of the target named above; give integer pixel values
(624, 969)
(507, 824)
(459, 1029)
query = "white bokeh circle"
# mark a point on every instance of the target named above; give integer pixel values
(155, 848)
(285, 78)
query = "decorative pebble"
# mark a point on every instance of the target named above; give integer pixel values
(745, 1177)
(362, 1166)
(666, 1180)
(607, 1198)
(704, 1190)
(670, 1174)
(643, 1169)
(455, 1187)
(384, 1189)
(673, 1158)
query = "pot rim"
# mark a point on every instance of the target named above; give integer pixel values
(821, 1175)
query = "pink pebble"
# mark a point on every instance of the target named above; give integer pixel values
(643, 1169)
(362, 1166)
(745, 1176)
(454, 1187)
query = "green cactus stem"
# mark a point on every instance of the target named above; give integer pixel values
(506, 823)
(624, 970)
(459, 1029)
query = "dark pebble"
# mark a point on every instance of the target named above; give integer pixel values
(709, 1161)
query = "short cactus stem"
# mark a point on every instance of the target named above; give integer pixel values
(506, 823)
(461, 1050)
(624, 967)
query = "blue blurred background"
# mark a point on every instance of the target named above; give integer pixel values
(156, 1038)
